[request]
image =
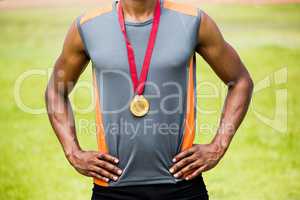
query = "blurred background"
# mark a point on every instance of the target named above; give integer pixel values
(263, 161)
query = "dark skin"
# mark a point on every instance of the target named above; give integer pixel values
(188, 164)
(226, 63)
(67, 70)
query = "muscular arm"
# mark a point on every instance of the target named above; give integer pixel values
(68, 67)
(227, 65)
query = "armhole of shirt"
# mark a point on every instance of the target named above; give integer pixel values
(199, 19)
(79, 27)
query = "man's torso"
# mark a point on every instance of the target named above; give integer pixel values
(145, 146)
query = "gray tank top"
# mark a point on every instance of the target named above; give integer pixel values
(145, 146)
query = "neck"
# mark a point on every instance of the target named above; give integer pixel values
(138, 10)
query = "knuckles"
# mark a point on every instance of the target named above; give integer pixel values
(100, 156)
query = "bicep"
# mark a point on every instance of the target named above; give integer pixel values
(219, 54)
(71, 62)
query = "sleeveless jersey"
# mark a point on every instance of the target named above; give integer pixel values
(145, 146)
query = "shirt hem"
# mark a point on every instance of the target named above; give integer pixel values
(148, 181)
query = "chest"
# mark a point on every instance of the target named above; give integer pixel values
(171, 51)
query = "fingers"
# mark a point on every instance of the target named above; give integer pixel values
(183, 154)
(109, 167)
(104, 173)
(176, 168)
(107, 157)
(105, 165)
(98, 165)
(97, 176)
(196, 173)
(188, 169)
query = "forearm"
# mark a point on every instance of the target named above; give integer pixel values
(62, 120)
(234, 110)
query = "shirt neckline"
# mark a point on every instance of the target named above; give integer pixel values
(131, 23)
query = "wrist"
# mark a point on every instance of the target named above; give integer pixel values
(222, 142)
(72, 155)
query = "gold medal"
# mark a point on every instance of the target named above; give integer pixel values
(139, 106)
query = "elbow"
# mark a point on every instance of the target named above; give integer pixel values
(249, 83)
(243, 83)
(54, 98)
(51, 96)
(246, 84)
(48, 95)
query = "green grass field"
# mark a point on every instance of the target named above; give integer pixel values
(263, 162)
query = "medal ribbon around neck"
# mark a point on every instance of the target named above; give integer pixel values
(139, 84)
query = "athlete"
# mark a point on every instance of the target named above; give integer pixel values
(144, 76)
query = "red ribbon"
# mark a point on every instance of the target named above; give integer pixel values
(139, 84)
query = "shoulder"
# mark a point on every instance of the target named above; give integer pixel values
(95, 13)
(183, 8)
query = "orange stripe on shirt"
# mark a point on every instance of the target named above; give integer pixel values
(99, 127)
(92, 14)
(189, 128)
(180, 7)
